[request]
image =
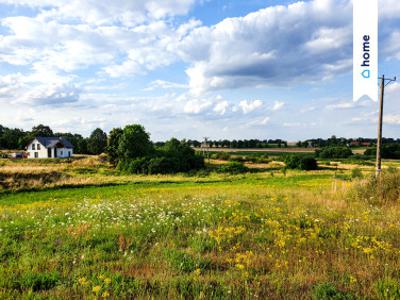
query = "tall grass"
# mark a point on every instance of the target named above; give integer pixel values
(383, 189)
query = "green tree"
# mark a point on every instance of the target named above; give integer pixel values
(97, 141)
(42, 130)
(112, 144)
(134, 142)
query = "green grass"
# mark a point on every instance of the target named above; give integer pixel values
(250, 236)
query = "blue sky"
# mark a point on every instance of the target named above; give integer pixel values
(191, 68)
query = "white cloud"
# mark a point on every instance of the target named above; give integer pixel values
(197, 106)
(221, 107)
(265, 121)
(273, 46)
(108, 12)
(392, 119)
(278, 105)
(162, 84)
(249, 106)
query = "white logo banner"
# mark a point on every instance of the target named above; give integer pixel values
(365, 49)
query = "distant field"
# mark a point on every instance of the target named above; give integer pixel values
(92, 233)
(265, 150)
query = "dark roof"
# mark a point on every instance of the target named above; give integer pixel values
(50, 142)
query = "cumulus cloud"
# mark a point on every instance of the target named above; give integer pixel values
(108, 12)
(280, 44)
(250, 106)
(197, 106)
(221, 107)
(54, 95)
(301, 42)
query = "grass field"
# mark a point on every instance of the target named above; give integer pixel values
(91, 233)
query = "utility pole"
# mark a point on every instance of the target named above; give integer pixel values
(384, 82)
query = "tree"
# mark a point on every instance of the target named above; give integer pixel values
(76, 140)
(181, 156)
(97, 141)
(42, 130)
(334, 152)
(112, 145)
(301, 162)
(134, 142)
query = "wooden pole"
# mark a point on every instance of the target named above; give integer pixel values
(379, 141)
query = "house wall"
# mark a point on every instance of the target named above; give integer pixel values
(42, 153)
(63, 152)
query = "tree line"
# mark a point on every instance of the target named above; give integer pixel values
(241, 144)
(334, 141)
(18, 139)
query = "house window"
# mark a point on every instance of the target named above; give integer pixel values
(69, 153)
(61, 153)
(38, 146)
(36, 154)
(33, 147)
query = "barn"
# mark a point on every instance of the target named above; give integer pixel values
(50, 147)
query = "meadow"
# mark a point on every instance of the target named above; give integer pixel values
(80, 230)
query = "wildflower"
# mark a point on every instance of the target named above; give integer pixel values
(105, 294)
(352, 280)
(83, 281)
(197, 272)
(107, 280)
(96, 289)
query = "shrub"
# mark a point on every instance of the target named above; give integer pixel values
(240, 159)
(233, 167)
(334, 152)
(221, 156)
(160, 165)
(379, 190)
(173, 157)
(301, 162)
(134, 166)
(389, 151)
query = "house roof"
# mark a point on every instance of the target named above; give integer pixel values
(50, 142)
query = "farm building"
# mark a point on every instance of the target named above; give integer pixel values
(50, 147)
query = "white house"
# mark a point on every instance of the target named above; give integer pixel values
(50, 147)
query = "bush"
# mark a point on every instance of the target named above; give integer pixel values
(301, 162)
(389, 151)
(221, 156)
(233, 167)
(173, 157)
(377, 191)
(240, 159)
(334, 152)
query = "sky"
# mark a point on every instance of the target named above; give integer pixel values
(192, 68)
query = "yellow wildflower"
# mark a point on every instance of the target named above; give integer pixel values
(96, 289)
(83, 281)
(105, 294)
